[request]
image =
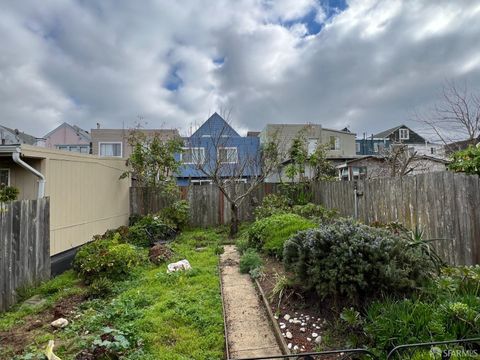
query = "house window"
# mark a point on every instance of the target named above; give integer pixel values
(194, 155)
(312, 146)
(84, 149)
(334, 143)
(357, 147)
(110, 149)
(375, 147)
(433, 151)
(228, 155)
(404, 134)
(4, 177)
(200, 182)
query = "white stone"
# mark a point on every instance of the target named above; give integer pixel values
(276, 317)
(302, 330)
(317, 327)
(314, 335)
(290, 321)
(289, 345)
(309, 339)
(59, 323)
(179, 265)
(318, 340)
(288, 335)
(287, 317)
(303, 324)
(283, 326)
(295, 348)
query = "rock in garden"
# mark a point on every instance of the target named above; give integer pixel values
(303, 324)
(179, 265)
(289, 335)
(302, 329)
(295, 348)
(318, 340)
(283, 326)
(289, 345)
(59, 323)
(309, 339)
(275, 316)
(314, 335)
(287, 317)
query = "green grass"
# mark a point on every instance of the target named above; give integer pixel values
(163, 316)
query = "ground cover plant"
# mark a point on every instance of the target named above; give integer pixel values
(148, 314)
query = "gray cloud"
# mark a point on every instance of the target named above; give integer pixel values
(173, 63)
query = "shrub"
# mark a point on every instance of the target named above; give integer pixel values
(272, 204)
(250, 261)
(8, 193)
(148, 230)
(100, 287)
(176, 214)
(315, 212)
(350, 260)
(269, 234)
(106, 258)
(159, 254)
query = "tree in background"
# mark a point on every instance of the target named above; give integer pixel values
(8, 193)
(152, 162)
(456, 116)
(228, 175)
(467, 161)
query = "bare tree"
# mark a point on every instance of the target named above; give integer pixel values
(400, 159)
(236, 170)
(456, 116)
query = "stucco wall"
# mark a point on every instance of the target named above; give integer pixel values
(64, 135)
(86, 195)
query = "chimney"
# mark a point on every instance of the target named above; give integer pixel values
(98, 125)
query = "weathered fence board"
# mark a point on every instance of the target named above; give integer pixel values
(443, 205)
(24, 246)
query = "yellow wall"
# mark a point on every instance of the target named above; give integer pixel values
(86, 195)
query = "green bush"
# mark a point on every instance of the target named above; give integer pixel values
(315, 212)
(106, 258)
(250, 261)
(176, 214)
(353, 261)
(148, 230)
(100, 287)
(8, 193)
(269, 234)
(272, 204)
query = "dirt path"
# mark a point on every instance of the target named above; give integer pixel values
(248, 329)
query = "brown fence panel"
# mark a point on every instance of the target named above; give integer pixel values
(24, 246)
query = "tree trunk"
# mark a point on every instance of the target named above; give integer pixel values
(234, 220)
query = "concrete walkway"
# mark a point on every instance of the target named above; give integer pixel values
(248, 328)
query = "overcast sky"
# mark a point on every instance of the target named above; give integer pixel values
(364, 64)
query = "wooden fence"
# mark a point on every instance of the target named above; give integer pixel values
(443, 204)
(24, 246)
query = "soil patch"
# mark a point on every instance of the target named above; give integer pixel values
(21, 335)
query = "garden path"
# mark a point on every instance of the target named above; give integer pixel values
(248, 330)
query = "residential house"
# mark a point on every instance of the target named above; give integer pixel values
(68, 138)
(375, 166)
(416, 143)
(114, 142)
(340, 144)
(86, 194)
(217, 144)
(461, 145)
(14, 136)
(371, 146)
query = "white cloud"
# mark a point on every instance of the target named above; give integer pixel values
(369, 67)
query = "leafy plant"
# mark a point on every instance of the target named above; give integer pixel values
(8, 193)
(148, 230)
(249, 261)
(269, 234)
(315, 212)
(467, 161)
(106, 258)
(354, 261)
(176, 213)
(272, 204)
(282, 288)
(100, 287)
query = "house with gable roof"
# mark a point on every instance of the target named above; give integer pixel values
(215, 140)
(69, 138)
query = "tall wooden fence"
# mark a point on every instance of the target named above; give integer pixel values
(443, 205)
(24, 246)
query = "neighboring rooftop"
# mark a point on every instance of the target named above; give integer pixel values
(16, 136)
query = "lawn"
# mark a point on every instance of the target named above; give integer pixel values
(150, 315)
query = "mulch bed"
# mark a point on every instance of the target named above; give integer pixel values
(305, 314)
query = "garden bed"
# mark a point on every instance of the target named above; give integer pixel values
(149, 315)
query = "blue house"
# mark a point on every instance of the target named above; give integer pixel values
(371, 146)
(216, 146)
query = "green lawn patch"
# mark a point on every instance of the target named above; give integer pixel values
(150, 315)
